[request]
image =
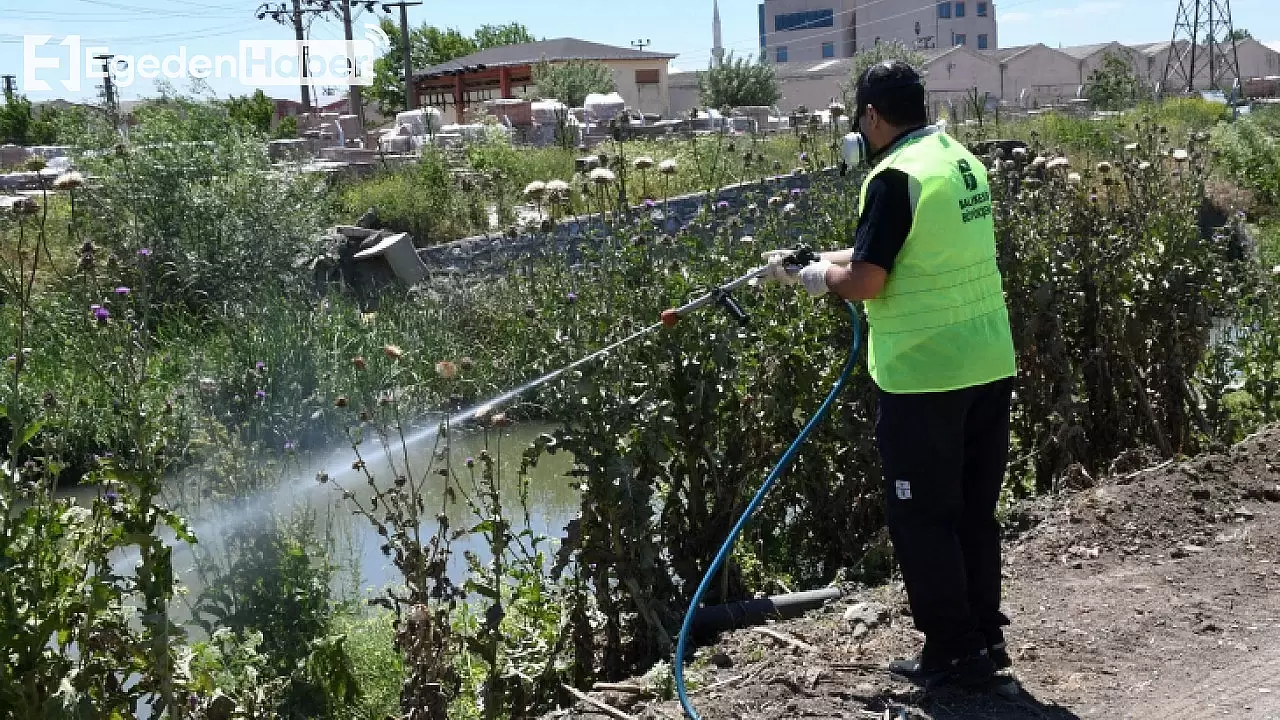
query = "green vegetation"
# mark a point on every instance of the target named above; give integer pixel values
(739, 82)
(572, 81)
(160, 321)
(1114, 85)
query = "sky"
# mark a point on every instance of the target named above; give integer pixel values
(683, 27)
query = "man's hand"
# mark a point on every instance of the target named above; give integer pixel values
(812, 276)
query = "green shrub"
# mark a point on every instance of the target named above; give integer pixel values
(422, 199)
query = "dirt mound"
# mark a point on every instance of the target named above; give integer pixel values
(1154, 594)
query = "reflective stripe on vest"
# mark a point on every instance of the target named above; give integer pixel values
(941, 322)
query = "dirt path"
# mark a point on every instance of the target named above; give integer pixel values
(1155, 595)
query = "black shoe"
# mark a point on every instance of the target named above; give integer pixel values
(967, 671)
(999, 655)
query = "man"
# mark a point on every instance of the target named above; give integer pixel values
(941, 354)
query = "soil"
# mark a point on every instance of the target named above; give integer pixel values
(1154, 594)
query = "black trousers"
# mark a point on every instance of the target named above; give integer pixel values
(944, 456)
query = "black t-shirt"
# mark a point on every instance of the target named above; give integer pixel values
(886, 217)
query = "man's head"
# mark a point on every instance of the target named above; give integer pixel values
(890, 101)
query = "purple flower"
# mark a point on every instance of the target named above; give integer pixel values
(722, 205)
(649, 203)
(572, 297)
(111, 496)
(101, 314)
(122, 290)
(144, 253)
(804, 157)
(289, 446)
(261, 394)
(797, 191)
(259, 366)
(470, 462)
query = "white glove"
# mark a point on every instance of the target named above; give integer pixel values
(812, 276)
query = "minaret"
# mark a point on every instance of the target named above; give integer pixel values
(717, 51)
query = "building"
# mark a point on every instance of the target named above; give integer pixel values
(507, 72)
(950, 75)
(1034, 75)
(808, 31)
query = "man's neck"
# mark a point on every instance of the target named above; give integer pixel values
(897, 140)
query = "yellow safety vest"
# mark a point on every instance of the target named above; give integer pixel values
(941, 322)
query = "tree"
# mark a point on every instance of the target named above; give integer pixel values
(15, 119)
(254, 110)
(572, 81)
(430, 45)
(739, 82)
(1240, 35)
(887, 50)
(287, 129)
(1113, 85)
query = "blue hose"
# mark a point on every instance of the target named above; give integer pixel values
(782, 465)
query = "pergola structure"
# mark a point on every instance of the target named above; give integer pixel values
(459, 88)
(503, 71)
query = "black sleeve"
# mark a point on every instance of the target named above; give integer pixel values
(885, 221)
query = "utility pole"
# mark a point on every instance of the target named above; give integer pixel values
(8, 85)
(410, 97)
(294, 17)
(109, 90)
(354, 99)
(1210, 20)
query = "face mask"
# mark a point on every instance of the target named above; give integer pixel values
(855, 153)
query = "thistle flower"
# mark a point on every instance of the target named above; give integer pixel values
(1058, 162)
(359, 362)
(289, 446)
(101, 314)
(535, 190)
(1144, 166)
(648, 203)
(24, 205)
(341, 402)
(144, 253)
(722, 205)
(1039, 161)
(804, 157)
(466, 363)
(111, 496)
(644, 162)
(122, 291)
(68, 181)
(1073, 178)
(259, 366)
(470, 462)
(1104, 167)
(1131, 147)
(602, 176)
(668, 166)
(558, 189)
(1180, 155)
(392, 351)
(797, 192)
(572, 297)
(260, 394)
(446, 370)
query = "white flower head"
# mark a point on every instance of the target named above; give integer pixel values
(667, 167)
(535, 190)
(1104, 167)
(644, 162)
(1058, 162)
(602, 176)
(1039, 161)
(69, 181)
(1180, 155)
(1131, 147)
(1073, 178)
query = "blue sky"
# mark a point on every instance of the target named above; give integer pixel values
(215, 27)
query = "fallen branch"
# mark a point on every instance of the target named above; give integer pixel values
(1153, 468)
(605, 708)
(783, 637)
(622, 687)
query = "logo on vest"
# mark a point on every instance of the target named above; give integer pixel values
(904, 489)
(966, 170)
(974, 207)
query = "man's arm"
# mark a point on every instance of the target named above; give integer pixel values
(860, 273)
